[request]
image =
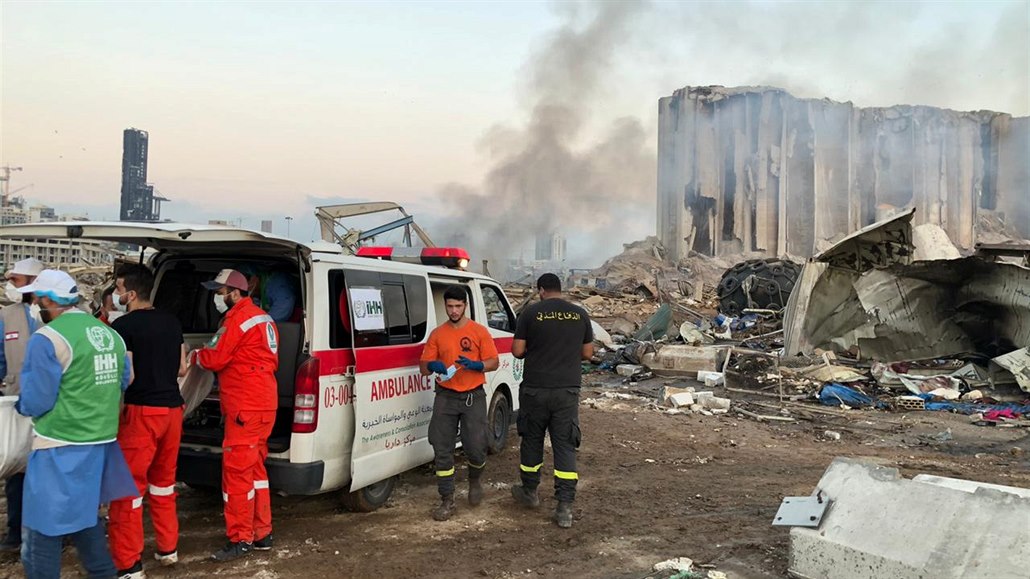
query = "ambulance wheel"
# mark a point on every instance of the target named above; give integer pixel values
(371, 497)
(499, 423)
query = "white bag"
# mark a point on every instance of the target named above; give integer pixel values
(15, 438)
(195, 387)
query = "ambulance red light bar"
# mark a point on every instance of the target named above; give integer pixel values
(453, 257)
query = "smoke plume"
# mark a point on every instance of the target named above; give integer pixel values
(542, 180)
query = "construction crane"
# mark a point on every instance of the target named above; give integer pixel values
(5, 183)
(329, 218)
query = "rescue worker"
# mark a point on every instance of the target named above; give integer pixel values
(108, 312)
(151, 423)
(469, 348)
(75, 372)
(273, 291)
(554, 337)
(244, 355)
(17, 323)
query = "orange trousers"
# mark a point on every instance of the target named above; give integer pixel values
(149, 437)
(248, 507)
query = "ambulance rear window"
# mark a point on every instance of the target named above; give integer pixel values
(404, 303)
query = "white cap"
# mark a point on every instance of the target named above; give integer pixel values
(31, 267)
(55, 285)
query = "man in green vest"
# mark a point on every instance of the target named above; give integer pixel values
(72, 381)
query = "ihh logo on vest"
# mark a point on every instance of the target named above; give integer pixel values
(101, 338)
(105, 368)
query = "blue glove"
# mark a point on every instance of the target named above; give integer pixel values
(437, 367)
(471, 364)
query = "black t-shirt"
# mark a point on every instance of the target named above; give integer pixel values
(554, 331)
(155, 339)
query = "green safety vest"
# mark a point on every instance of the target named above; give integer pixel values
(93, 358)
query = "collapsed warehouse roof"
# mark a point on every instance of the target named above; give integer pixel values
(873, 295)
(756, 169)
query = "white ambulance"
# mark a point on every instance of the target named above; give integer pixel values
(353, 408)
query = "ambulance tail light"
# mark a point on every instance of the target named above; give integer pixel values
(375, 252)
(305, 396)
(453, 257)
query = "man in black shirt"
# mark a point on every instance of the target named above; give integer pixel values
(553, 336)
(150, 425)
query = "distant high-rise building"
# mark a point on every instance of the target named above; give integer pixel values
(550, 247)
(138, 200)
(266, 226)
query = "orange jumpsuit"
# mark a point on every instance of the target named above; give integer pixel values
(244, 355)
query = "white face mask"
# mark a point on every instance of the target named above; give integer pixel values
(220, 304)
(111, 317)
(34, 312)
(12, 292)
(116, 299)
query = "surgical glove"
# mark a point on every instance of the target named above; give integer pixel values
(471, 364)
(437, 367)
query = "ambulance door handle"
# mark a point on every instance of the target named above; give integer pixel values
(348, 372)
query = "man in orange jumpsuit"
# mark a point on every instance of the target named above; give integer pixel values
(150, 425)
(244, 355)
(469, 350)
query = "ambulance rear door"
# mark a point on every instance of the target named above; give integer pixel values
(393, 402)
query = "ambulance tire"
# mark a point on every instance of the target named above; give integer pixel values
(499, 422)
(371, 497)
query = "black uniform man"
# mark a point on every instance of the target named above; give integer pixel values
(553, 336)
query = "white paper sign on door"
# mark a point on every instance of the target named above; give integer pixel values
(367, 305)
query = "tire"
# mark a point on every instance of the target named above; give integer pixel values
(773, 283)
(371, 497)
(498, 423)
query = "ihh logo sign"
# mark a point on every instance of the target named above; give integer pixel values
(374, 308)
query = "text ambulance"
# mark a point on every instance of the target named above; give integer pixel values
(353, 408)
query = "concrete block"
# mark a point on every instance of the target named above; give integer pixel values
(710, 378)
(628, 369)
(883, 525)
(682, 399)
(676, 360)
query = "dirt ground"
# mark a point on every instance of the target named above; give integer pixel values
(654, 486)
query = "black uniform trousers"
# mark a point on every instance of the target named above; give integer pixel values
(554, 411)
(451, 408)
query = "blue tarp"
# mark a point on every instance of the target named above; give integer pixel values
(967, 408)
(840, 395)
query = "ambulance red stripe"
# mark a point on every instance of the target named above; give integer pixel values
(381, 358)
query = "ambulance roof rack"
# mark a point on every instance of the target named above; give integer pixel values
(450, 257)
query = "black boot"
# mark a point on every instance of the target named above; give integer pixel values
(525, 497)
(563, 515)
(475, 492)
(446, 508)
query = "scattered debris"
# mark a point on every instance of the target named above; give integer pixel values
(677, 564)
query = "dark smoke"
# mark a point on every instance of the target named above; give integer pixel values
(541, 180)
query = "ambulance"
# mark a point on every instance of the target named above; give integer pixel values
(354, 410)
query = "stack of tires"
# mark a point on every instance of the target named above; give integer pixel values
(767, 282)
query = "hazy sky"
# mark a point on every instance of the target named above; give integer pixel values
(258, 110)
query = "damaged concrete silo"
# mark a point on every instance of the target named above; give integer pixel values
(754, 169)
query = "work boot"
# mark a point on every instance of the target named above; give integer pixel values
(475, 492)
(232, 551)
(563, 515)
(446, 508)
(167, 559)
(525, 497)
(134, 572)
(264, 544)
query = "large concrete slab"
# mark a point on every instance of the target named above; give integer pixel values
(883, 525)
